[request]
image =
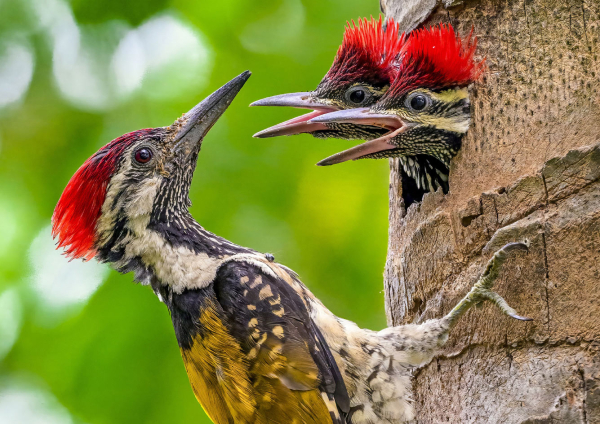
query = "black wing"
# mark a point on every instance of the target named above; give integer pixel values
(290, 364)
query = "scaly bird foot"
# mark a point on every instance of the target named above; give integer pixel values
(482, 290)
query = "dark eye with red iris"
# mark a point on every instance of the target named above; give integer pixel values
(143, 155)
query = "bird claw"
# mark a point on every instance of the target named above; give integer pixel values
(520, 318)
(482, 290)
(516, 246)
(480, 295)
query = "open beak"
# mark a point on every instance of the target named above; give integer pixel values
(297, 125)
(189, 130)
(363, 116)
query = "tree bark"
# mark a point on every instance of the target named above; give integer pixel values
(529, 168)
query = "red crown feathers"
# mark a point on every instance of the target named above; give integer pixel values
(76, 214)
(368, 52)
(436, 58)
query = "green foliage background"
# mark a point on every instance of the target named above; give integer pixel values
(112, 357)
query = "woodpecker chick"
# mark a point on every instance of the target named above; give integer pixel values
(426, 110)
(258, 347)
(361, 73)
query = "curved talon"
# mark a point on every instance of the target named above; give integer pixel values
(520, 318)
(523, 246)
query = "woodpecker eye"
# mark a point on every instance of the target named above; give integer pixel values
(358, 95)
(418, 102)
(143, 155)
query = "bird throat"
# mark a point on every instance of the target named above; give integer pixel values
(422, 174)
(179, 253)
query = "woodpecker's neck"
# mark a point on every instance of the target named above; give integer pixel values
(141, 231)
(179, 254)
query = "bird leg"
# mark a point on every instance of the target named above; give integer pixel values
(482, 290)
(418, 343)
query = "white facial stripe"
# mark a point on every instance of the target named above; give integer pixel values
(109, 213)
(448, 96)
(141, 201)
(458, 124)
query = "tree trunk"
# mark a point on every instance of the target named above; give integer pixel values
(529, 168)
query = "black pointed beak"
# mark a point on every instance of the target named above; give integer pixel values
(191, 128)
(299, 125)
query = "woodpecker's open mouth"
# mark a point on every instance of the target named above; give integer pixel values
(300, 124)
(362, 116)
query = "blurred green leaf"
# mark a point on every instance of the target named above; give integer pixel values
(115, 358)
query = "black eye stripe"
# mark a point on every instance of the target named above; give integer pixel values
(455, 108)
(460, 106)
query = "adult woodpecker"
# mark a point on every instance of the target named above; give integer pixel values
(426, 111)
(362, 71)
(258, 347)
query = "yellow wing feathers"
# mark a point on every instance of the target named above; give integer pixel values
(218, 372)
(254, 356)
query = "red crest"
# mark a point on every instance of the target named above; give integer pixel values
(368, 53)
(76, 214)
(436, 58)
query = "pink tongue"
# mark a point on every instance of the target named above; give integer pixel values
(296, 125)
(304, 118)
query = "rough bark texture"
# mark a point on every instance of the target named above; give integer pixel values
(529, 168)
